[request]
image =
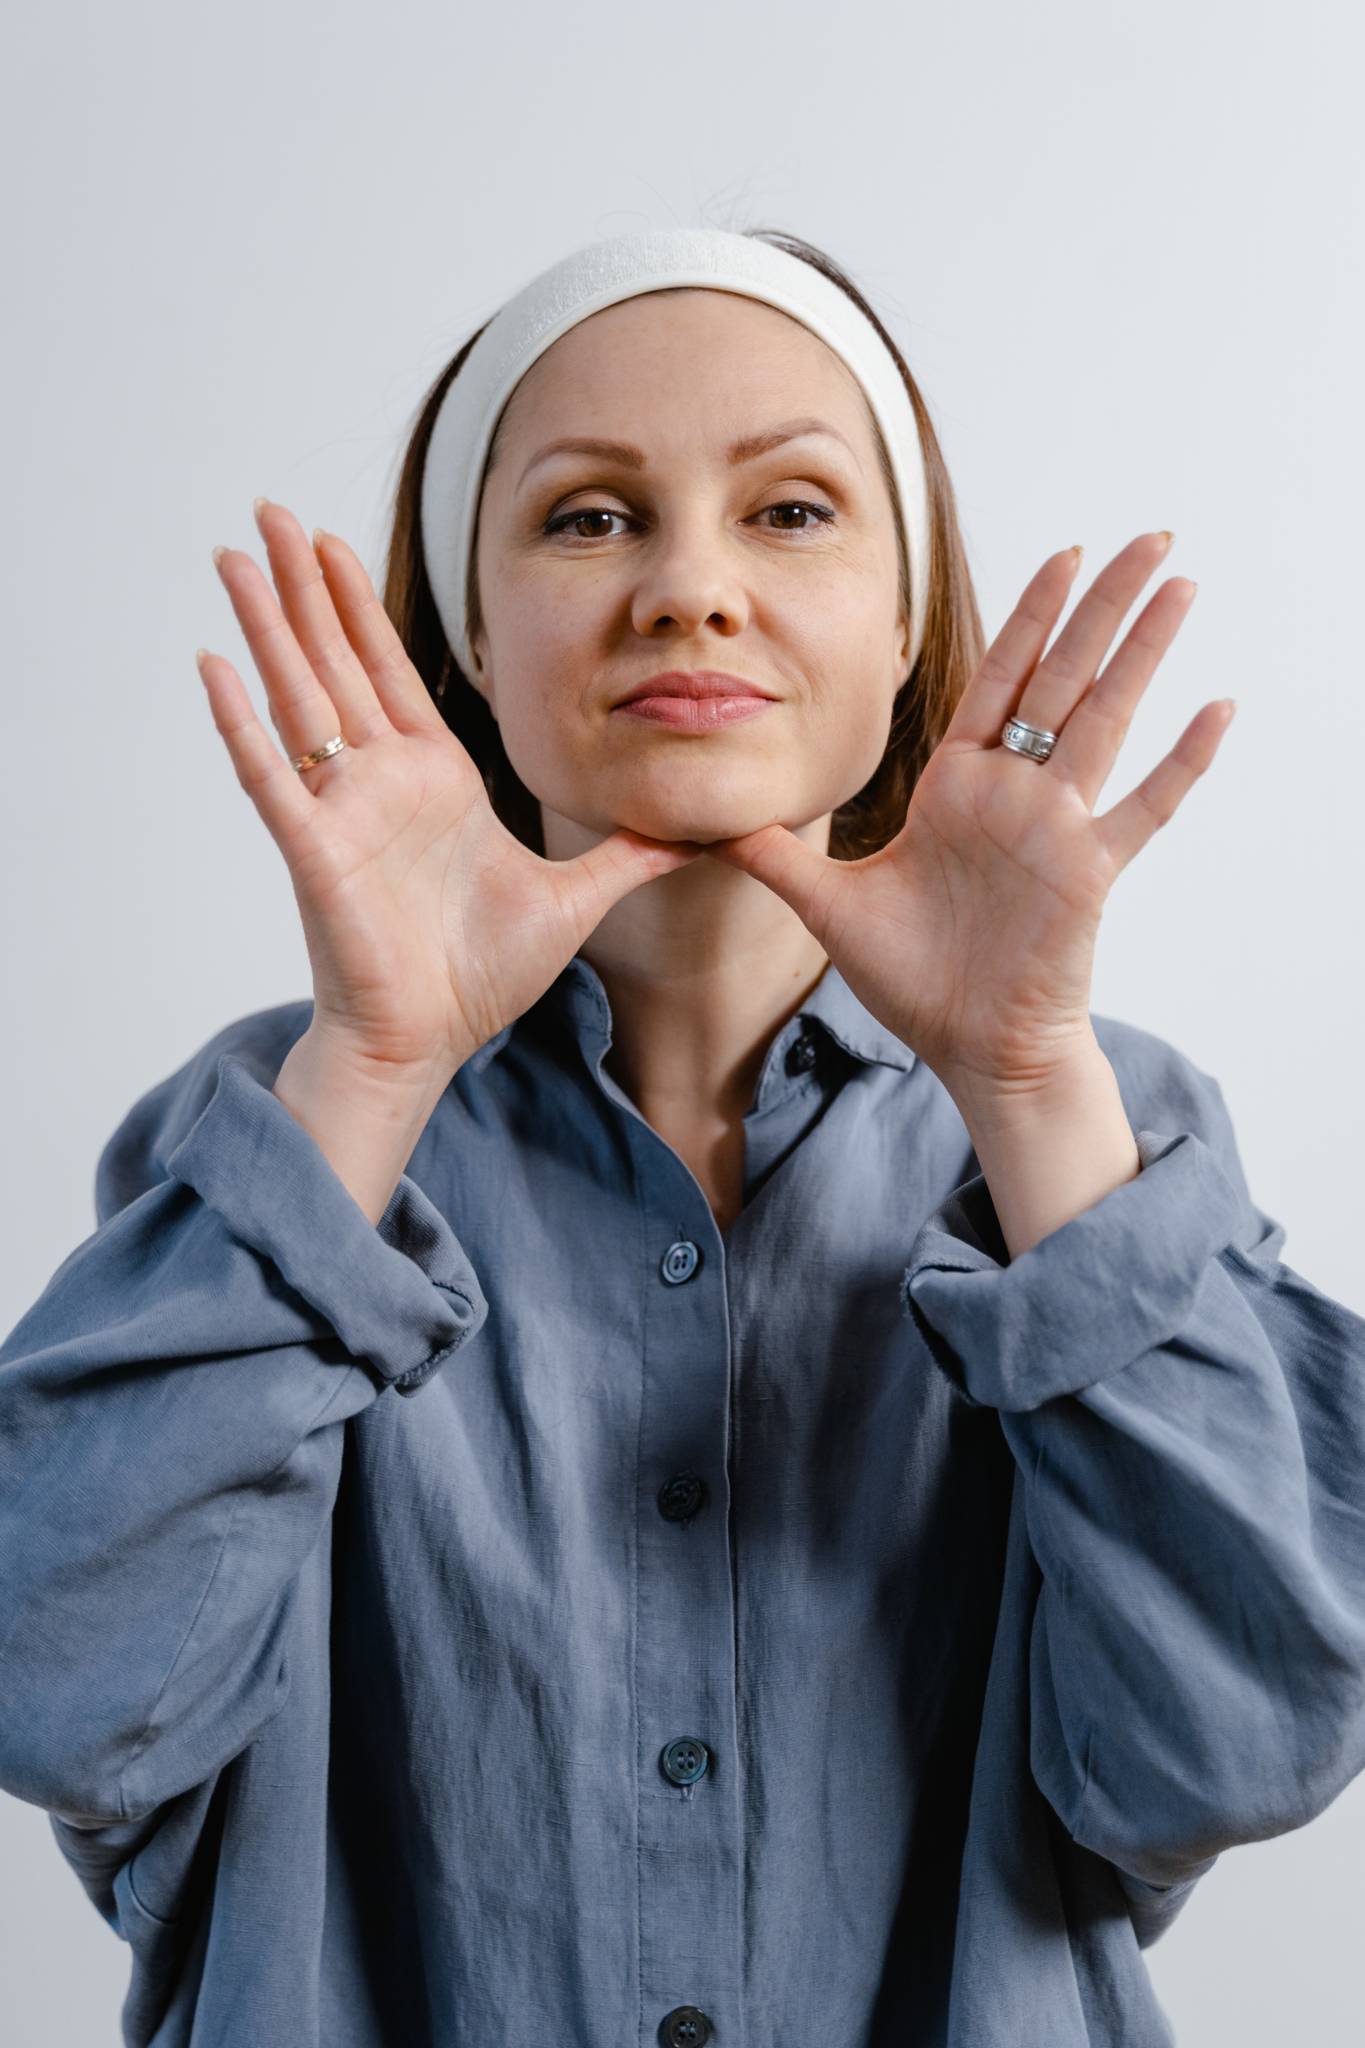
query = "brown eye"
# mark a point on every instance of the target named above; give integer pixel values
(566, 519)
(821, 514)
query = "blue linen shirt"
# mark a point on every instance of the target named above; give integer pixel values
(545, 1617)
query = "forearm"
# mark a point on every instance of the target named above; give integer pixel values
(1051, 1150)
(366, 1125)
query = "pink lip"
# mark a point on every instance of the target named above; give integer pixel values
(695, 701)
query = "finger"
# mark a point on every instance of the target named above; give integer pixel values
(301, 711)
(277, 790)
(307, 604)
(1068, 668)
(1089, 741)
(597, 879)
(991, 695)
(372, 633)
(1125, 829)
(782, 861)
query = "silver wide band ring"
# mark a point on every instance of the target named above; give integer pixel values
(322, 753)
(1034, 740)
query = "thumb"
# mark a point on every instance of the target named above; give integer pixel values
(782, 861)
(597, 879)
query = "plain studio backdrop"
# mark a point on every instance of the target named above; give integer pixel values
(1121, 250)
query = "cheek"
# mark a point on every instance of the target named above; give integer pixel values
(850, 746)
(527, 707)
(529, 629)
(844, 622)
(539, 714)
(850, 714)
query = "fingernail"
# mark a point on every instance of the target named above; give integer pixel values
(258, 506)
(218, 555)
(1167, 535)
(318, 533)
(1078, 551)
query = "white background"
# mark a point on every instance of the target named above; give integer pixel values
(1122, 252)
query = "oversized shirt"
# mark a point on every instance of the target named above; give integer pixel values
(545, 1617)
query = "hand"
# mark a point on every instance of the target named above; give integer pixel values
(429, 925)
(971, 935)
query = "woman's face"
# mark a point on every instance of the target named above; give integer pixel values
(688, 560)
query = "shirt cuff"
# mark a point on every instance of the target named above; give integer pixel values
(1085, 1301)
(400, 1294)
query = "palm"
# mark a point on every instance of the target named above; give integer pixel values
(420, 889)
(975, 926)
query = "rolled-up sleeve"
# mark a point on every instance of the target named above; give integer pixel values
(401, 1294)
(1187, 1417)
(171, 1412)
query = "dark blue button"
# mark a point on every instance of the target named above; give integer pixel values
(681, 1496)
(685, 2027)
(680, 1262)
(684, 1760)
(802, 1054)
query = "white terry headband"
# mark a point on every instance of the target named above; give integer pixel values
(623, 267)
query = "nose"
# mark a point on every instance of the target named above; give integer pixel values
(687, 586)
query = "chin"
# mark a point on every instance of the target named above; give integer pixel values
(704, 824)
(702, 805)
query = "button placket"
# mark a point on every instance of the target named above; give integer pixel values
(691, 1827)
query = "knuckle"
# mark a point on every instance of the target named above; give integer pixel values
(335, 654)
(367, 725)
(1107, 596)
(1062, 665)
(996, 668)
(272, 626)
(1105, 710)
(1149, 638)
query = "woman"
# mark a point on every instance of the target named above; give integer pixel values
(881, 1518)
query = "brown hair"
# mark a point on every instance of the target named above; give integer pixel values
(953, 639)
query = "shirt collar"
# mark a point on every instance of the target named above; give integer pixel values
(578, 995)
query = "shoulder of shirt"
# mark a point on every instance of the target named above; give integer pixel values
(134, 1158)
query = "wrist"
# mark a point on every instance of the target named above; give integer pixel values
(365, 1123)
(1025, 1095)
(1051, 1149)
(325, 1062)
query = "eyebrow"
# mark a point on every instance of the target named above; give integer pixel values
(745, 449)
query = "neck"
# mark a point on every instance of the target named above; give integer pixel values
(702, 967)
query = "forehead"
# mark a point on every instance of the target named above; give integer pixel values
(708, 355)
